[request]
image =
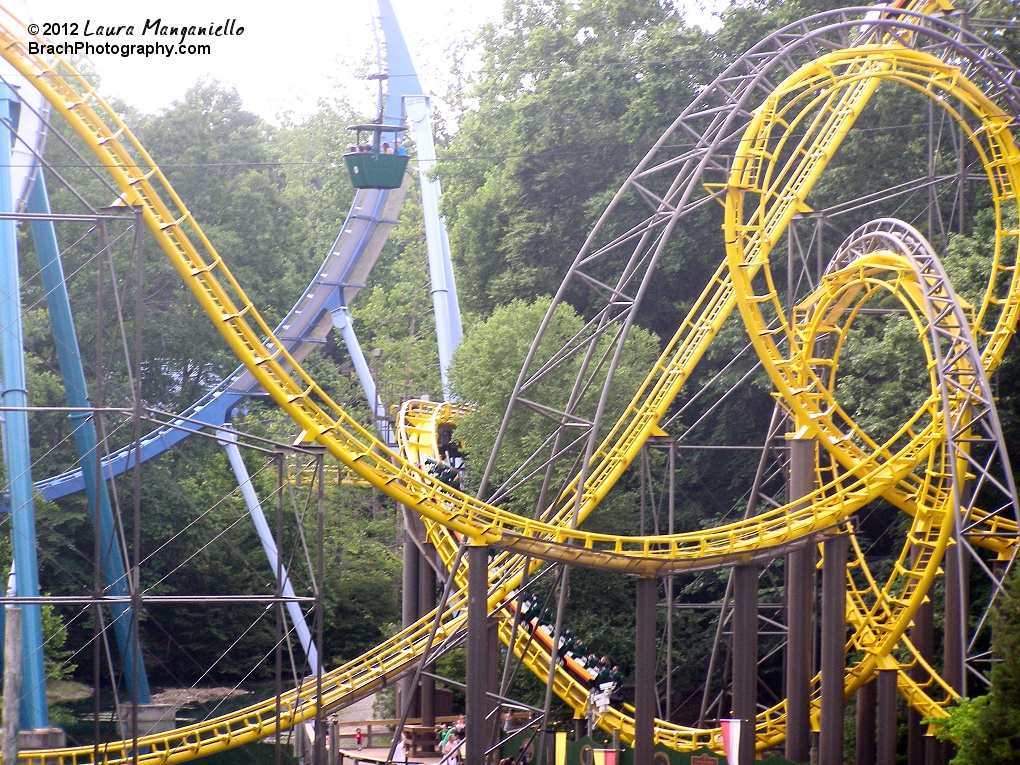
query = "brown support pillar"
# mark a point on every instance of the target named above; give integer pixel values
(800, 601)
(887, 696)
(477, 653)
(920, 747)
(12, 683)
(956, 622)
(864, 746)
(426, 603)
(954, 654)
(492, 684)
(745, 655)
(644, 669)
(409, 606)
(833, 659)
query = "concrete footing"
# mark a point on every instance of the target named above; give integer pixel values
(152, 718)
(42, 738)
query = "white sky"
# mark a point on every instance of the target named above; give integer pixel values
(290, 55)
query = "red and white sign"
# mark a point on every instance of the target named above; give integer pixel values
(731, 741)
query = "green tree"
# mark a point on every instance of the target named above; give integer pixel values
(569, 98)
(987, 729)
(484, 371)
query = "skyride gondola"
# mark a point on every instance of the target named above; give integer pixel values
(376, 165)
(381, 161)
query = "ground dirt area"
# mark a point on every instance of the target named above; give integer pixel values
(186, 697)
(58, 691)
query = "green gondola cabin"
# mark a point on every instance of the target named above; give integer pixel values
(375, 162)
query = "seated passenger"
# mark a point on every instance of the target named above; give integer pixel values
(616, 678)
(386, 148)
(400, 147)
(449, 475)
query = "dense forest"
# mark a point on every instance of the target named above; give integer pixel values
(568, 98)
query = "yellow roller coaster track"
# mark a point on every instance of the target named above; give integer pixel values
(844, 85)
(877, 627)
(251, 339)
(877, 618)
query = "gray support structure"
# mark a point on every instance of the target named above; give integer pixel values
(922, 635)
(954, 671)
(492, 685)
(833, 658)
(670, 581)
(477, 669)
(887, 697)
(644, 669)
(745, 656)
(864, 746)
(12, 683)
(427, 602)
(409, 604)
(800, 599)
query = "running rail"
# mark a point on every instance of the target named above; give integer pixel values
(345, 268)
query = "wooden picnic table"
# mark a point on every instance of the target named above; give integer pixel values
(420, 738)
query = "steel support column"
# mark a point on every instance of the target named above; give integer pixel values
(227, 437)
(864, 747)
(800, 600)
(954, 657)
(418, 110)
(477, 652)
(644, 669)
(833, 658)
(446, 307)
(667, 707)
(17, 459)
(956, 619)
(745, 656)
(427, 602)
(919, 746)
(887, 697)
(409, 604)
(492, 719)
(343, 321)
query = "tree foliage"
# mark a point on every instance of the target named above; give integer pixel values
(987, 728)
(569, 98)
